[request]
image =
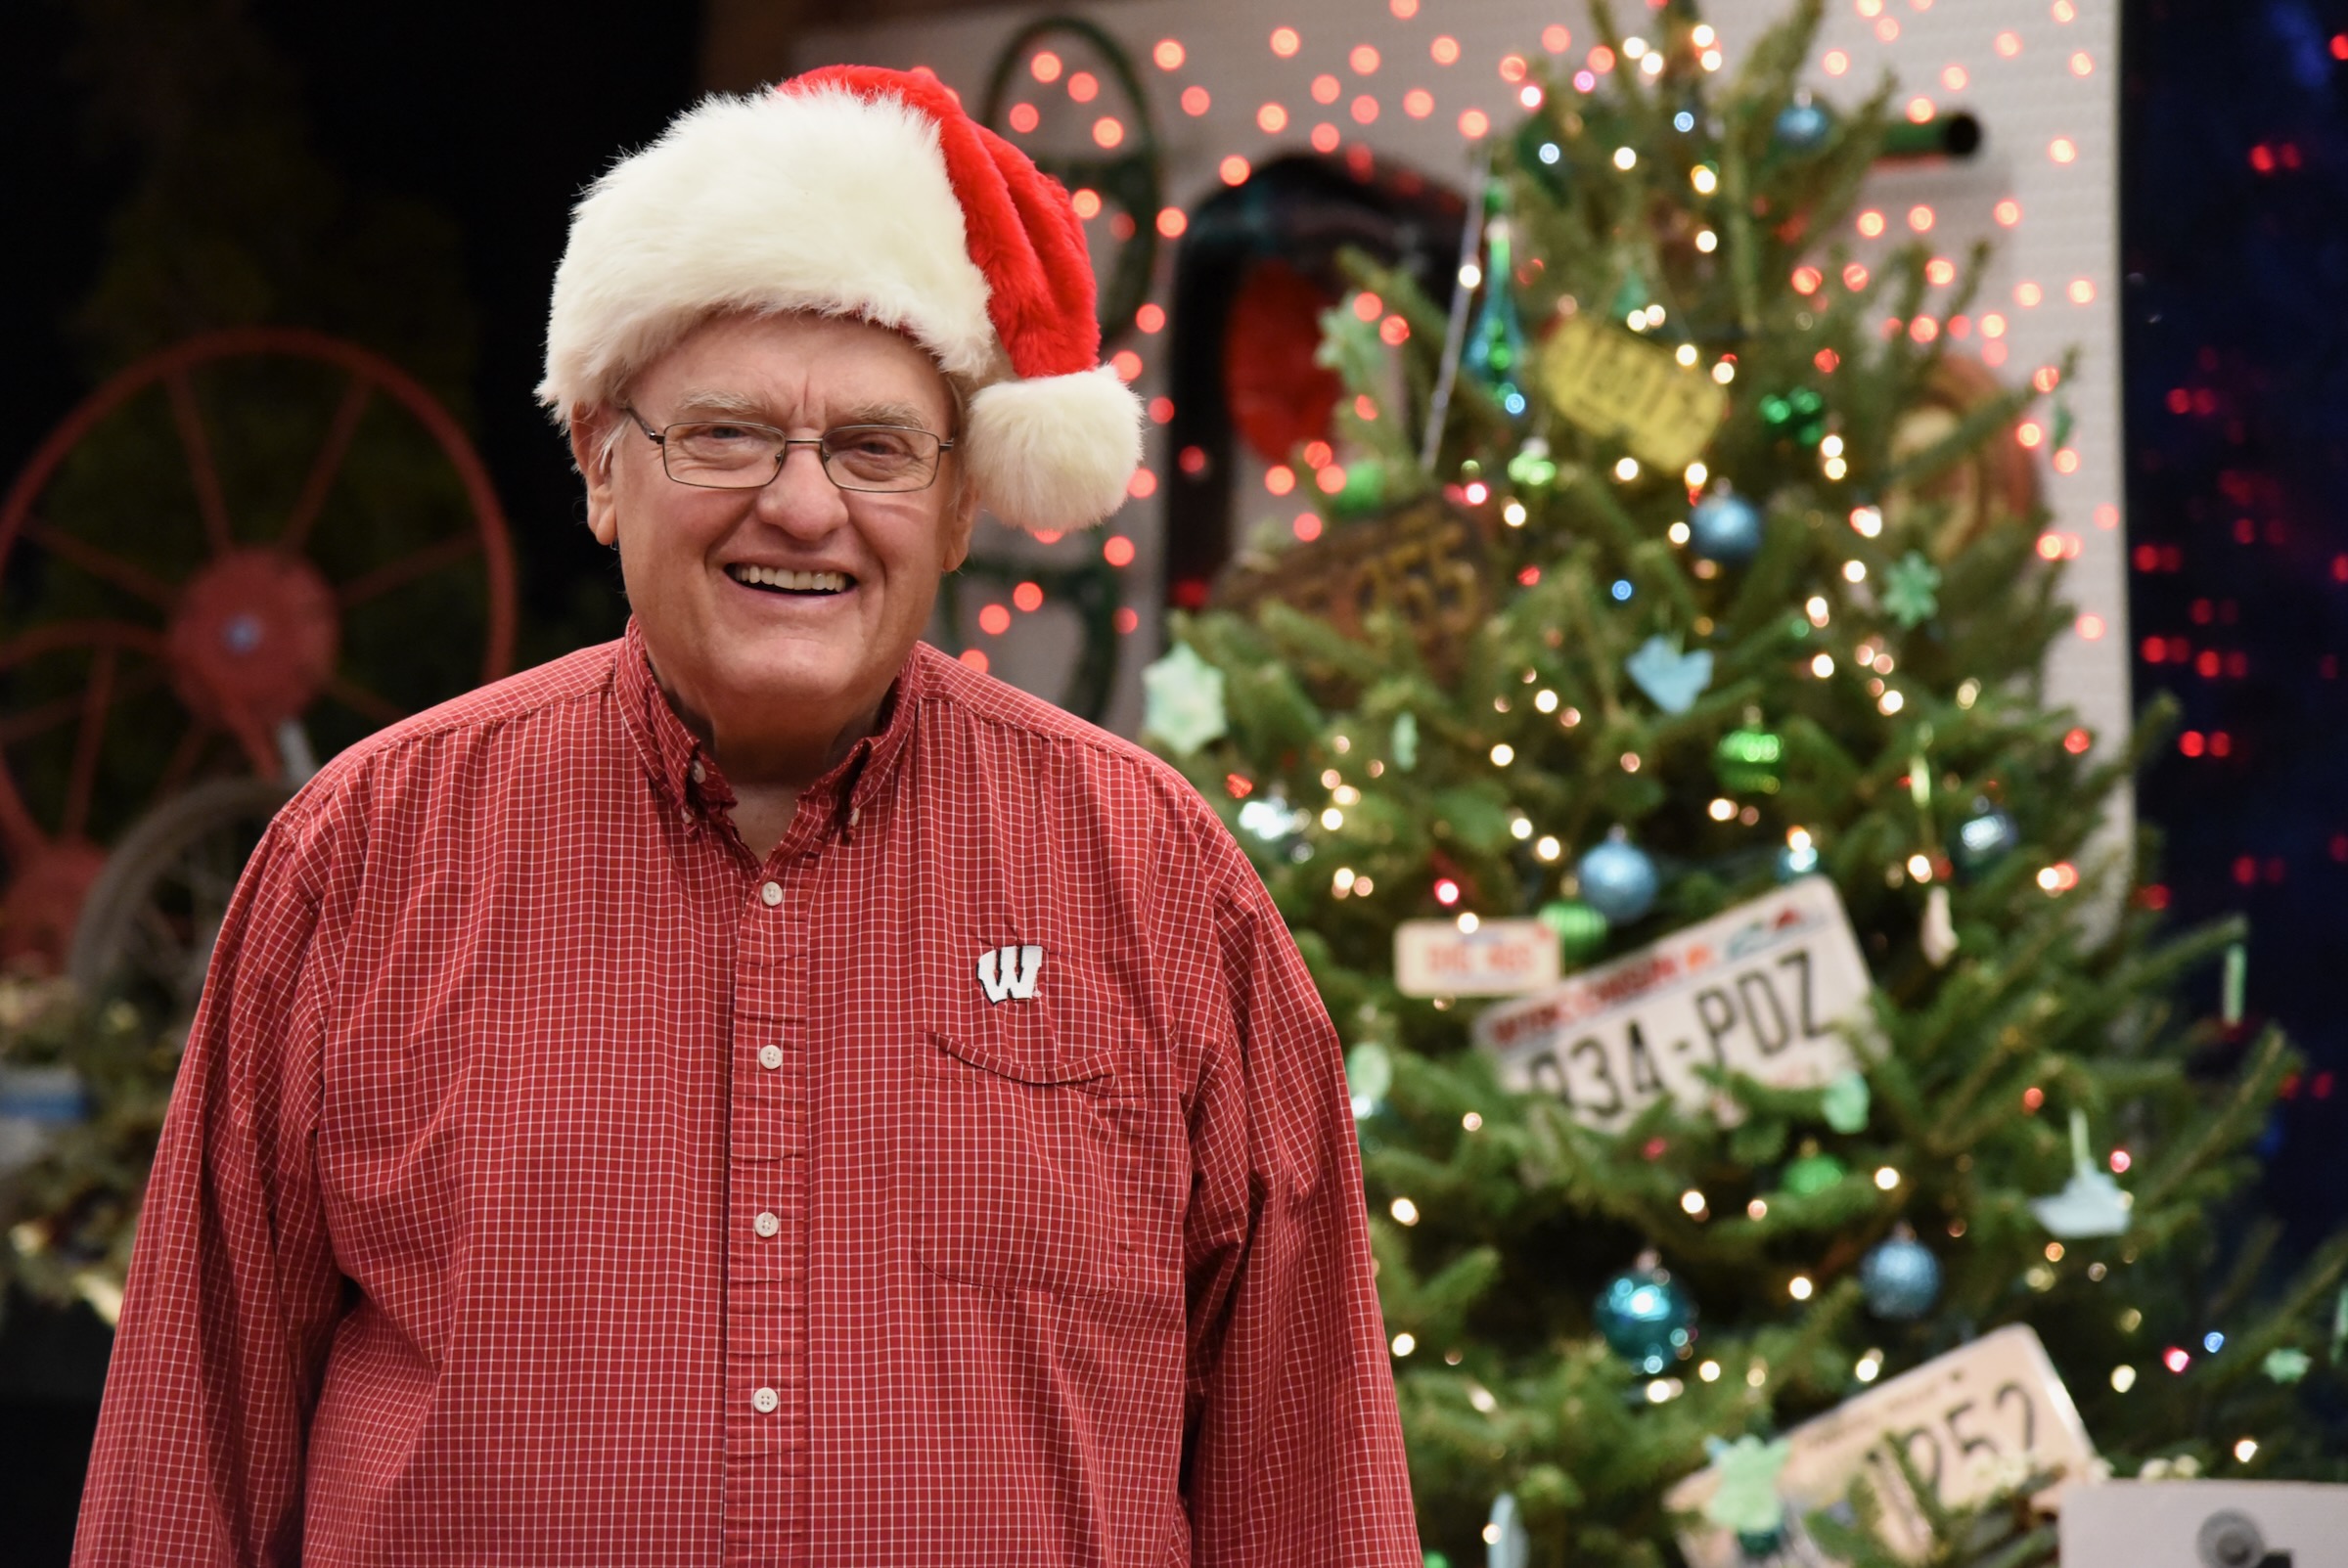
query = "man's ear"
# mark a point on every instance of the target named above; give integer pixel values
(591, 452)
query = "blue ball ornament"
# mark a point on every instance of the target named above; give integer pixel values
(1646, 1317)
(1725, 528)
(1900, 1279)
(1619, 880)
(1803, 124)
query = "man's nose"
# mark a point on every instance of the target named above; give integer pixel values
(800, 499)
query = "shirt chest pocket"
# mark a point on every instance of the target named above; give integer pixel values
(1028, 1150)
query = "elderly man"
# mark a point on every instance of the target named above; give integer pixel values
(762, 1091)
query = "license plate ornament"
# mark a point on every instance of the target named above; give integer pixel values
(1767, 988)
(1473, 959)
(1987, 1414)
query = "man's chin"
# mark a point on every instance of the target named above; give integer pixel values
(814, 677)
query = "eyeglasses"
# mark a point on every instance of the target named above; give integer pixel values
(729, 455)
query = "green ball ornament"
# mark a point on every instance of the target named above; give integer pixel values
(1581, 930)
(1813, 1173)
(1750, 761)
(1364, 490)
(1532, 467)
(1797, 415)
(1646, 1317)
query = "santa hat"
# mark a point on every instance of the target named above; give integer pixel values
(861, 191)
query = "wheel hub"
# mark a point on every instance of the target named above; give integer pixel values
(252, 639)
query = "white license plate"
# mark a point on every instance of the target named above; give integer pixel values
(1985, 1413)
(1497, 958)
(1762, 989)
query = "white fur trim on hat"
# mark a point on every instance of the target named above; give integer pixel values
(817, 201)
(1054, 453)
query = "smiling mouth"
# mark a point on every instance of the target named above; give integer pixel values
(774, 580)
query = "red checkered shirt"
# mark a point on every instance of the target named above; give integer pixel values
(548, 1182)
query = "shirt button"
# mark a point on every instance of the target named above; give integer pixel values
(772, 893)
(770, 1057)
(766, 1224)
(699, 771)
(766, 1401)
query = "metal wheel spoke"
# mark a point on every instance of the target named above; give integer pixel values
(57, 635)
(399, 573)
(259, 748)
(154, 946)
(29, 722)
(362, 701)
(208, 883)
(102, 565)
(328, 464)
(198, 448)
(221, 757)
(96, 699)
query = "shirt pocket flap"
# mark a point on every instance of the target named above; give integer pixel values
(1059, 1065)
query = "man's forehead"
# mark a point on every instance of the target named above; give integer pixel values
(844, 406)
(802, 367)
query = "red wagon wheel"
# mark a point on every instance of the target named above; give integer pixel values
(240, 553)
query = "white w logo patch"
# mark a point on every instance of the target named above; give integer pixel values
(1008, 973)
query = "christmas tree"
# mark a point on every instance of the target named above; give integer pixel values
(1677, 620)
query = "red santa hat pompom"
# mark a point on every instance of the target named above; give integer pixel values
(862, 192)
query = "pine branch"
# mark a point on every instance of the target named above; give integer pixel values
(2232, 1124)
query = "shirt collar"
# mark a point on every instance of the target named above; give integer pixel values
(686, 776)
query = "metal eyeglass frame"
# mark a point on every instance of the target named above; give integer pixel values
(783, 443)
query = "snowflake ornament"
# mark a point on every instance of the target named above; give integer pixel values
(1183, 700)
(1912, 589)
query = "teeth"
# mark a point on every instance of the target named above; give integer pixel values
(822, 582)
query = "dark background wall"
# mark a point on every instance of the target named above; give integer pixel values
(494, 115)
(2235, 241)
(500, 115)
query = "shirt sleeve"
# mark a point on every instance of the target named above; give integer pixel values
(233, 1292)
(1294, 1449)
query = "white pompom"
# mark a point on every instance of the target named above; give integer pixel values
(1054, 454)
